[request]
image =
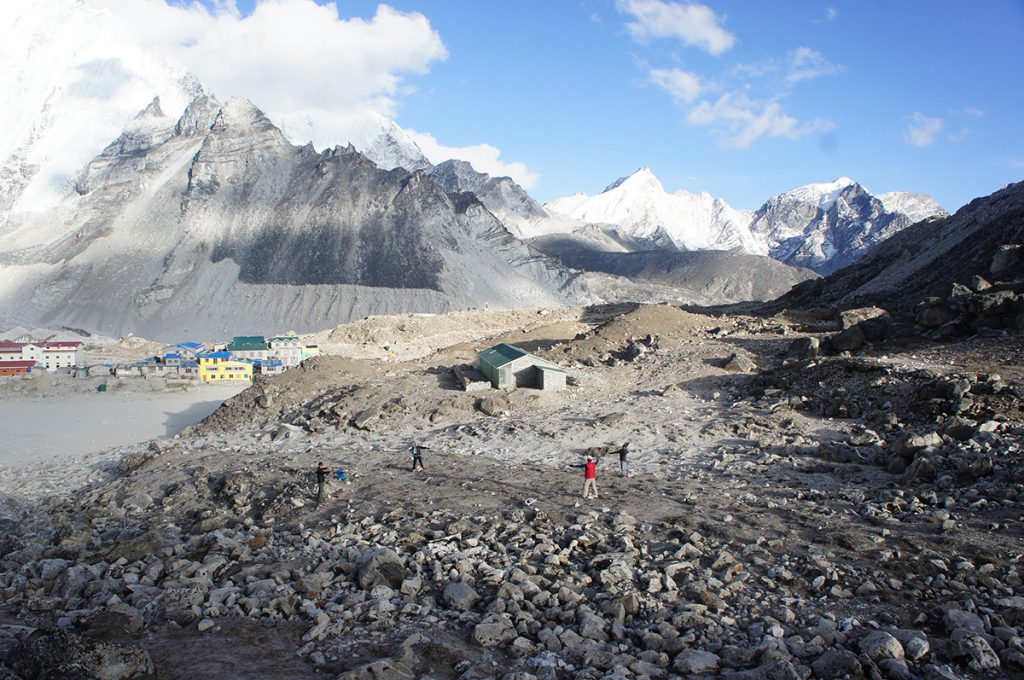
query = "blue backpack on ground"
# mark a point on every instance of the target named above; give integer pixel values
(340, 475)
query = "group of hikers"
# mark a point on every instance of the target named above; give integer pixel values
(416, 451)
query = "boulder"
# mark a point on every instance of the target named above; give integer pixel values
(849, 340)
(695, 662)
(740, 363)
(459, 595)
(492, 406)
(493, 631)
(836, 663)
(803, 349)
(980, 655)
(381, 566)
(958, 618)
(878, 645)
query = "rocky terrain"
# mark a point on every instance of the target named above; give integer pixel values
(786, 515)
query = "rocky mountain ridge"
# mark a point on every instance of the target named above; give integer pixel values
(217, 210)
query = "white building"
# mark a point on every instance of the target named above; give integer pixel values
(48, 355)
(287, 349)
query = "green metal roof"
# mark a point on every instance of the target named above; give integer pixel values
(502, 354)
(244, 343)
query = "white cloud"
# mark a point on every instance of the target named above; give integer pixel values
(739, 121)
(483, 158)
(288, 54)
(831, 13)
(693, 23)
(683, 86)
(923, 131)
(805, 63)
(293, 57)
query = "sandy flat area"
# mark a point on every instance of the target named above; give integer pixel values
(68, 427)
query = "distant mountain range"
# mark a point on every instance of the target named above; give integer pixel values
(818, 226)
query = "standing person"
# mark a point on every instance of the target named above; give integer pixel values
(589, 476)
(417, 454)
(321, 479)
(623, 451)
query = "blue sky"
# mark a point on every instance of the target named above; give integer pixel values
(740, 99)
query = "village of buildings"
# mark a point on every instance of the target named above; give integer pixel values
(238, 360)
(502, 366)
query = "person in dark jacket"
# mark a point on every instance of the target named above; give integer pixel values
(417, 454)
(321, 479)
(623, 451)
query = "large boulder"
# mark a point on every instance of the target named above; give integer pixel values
(804, 349)
(849, 340)
(381, 567)
(493, 631)
(878, 645)
(459, 595)
(696, 662)
(740, 363)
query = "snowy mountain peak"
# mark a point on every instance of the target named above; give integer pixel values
(240, 112)
(644, 178)
(645, 212)
(822, 193)
(198, 116)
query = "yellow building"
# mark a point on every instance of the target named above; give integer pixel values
(219, 366)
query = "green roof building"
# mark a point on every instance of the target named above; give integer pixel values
(508, 366)
(246, 343)
(248, 347)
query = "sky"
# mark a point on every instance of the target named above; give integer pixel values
(741, 99)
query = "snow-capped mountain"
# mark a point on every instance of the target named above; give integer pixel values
(378, 138)
(214, 222)
(827, 226)
(820, 226)
(643, 210)
(70, 86)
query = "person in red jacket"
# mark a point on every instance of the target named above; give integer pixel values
(589, 476)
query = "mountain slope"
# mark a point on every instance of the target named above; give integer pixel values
(215, 224)
(710, 277)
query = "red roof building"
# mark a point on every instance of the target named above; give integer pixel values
(12, 368)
